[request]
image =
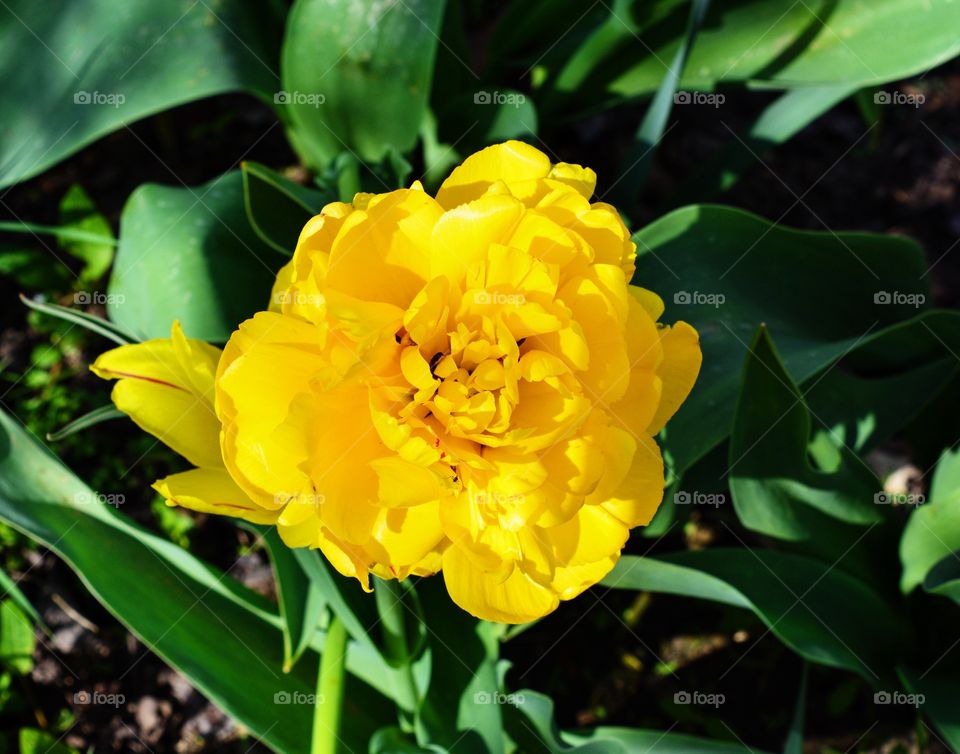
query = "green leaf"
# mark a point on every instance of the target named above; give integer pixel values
(460, 709)
(863, 411)
(766, 44)
(356, 75)
(648, 136)
(189, 254)
(938, 686)
(794, 742)
(301, 604)
(723, 271)
(224, 638)
(771, 479)
(278, 208)
(10, 590)
(34, 269)
(79, 213)
(17, 640)
(90, 419)
(91, 68)
(531, 723)
(102, 327)
(392, 740)
(933, 532)
(33, 741)
(817, 610)
(354, 607)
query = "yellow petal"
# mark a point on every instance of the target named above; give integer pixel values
(211, 491)
(678, 370)
(513, 162)
(516, 599)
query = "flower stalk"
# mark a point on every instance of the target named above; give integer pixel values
(330, 681)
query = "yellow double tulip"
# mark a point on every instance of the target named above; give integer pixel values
(466, 383)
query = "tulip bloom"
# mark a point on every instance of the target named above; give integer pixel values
(466, 384)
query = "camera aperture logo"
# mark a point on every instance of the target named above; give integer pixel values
(86, 298)
(699, 699)
(898, 498)
(514, 99)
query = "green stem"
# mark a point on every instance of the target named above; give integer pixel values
(389, 596)
(330, 679)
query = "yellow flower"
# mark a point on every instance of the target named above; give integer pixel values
(467, 384)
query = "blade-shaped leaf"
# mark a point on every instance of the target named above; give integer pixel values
(816, 609)
(81, 69)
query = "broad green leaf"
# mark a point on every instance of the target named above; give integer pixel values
(301, 604)
(726, 272)
(531, 723)
(79, 213)
(933, 532)
(461, 708)
(356, 75)
(939, 688)
(770, 476)
(392, 740)
(88, 67)
(17, 640)
(224, 638)
(278, 208)
(944, 577)
(862, 411)
(765, 43)
(189, 254)
(817, 610)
